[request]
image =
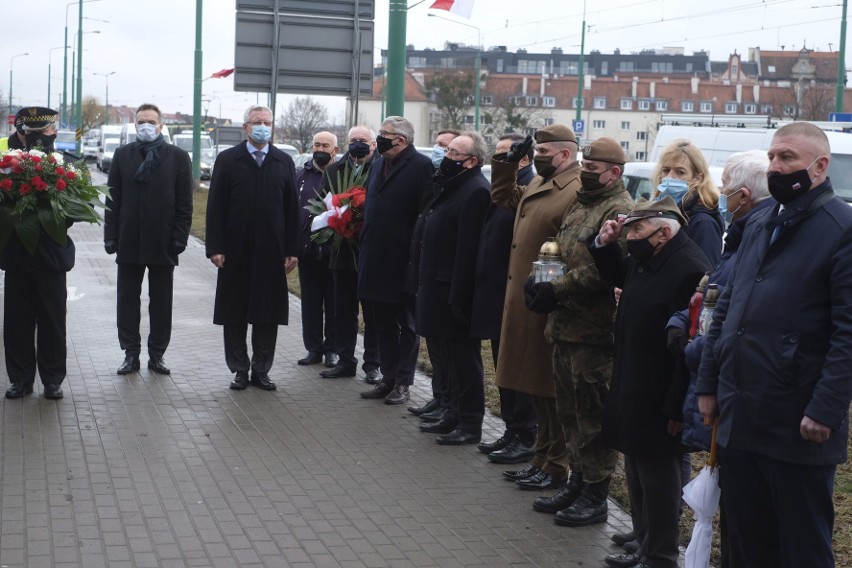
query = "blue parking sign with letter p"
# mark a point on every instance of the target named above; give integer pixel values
(579, 126)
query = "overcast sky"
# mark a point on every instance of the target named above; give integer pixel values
(150, 44)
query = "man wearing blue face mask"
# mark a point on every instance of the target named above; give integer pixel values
(253, 239)
(146, 225)
(442, 142)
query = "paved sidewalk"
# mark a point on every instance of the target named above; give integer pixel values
(150, 471)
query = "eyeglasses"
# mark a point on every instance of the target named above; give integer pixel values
(456, 154)
(260, 122)
(387, 134)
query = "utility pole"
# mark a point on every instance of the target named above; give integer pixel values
(841, 64)
(580, 70)
(397, 21)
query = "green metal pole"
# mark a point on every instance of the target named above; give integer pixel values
(478, 80)
(398, 18)
(841, 64)
(64, 108)
(80, 79)
(48, 82)
(196, 98)
(580, 70)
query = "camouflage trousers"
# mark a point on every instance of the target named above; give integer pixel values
(582, 374)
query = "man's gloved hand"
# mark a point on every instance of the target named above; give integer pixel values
(111, 247)
(176, 247)
(676, 340)
(540, 297)
(519, 149)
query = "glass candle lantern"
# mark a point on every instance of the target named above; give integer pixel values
(549, 265)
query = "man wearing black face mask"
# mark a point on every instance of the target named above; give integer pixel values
(315, 280)
(775, 367)
(643, 411)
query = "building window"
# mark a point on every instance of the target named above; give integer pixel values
(790, 110)
(598, 124)
(531, 101)
(548, 101)
(548, 122)
(499, 65)
(574, 102)
(448, 62)
(687, 106)
(641, 135)
(626, 104)
(731, 108)
(640, 156)
(766, 109)
(529, 66)
(644, 104)
(625, 125)
(488, 100)
(416, 61)
(625, 145)
(662, 106)
(604, 67)
(468, 119)
(625, 66)
(750, 108)
(517, 101)
(706, 106)
(468, 100)
(600, 102)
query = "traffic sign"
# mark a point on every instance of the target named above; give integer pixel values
(579, 126)
(840, 117)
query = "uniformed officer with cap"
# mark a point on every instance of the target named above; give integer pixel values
(643, 411)
(35, 285)
(527, 366)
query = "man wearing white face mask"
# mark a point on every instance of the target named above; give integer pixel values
(146, 225)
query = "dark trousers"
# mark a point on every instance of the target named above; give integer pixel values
(462, 360)
(551, 450)
(779, 514)
(129, 304)
(317, 287)
(440, 380)
(263, 338)
(516, 408)
(653, 483)
(346, 323)
(34, 326)
(398, 342)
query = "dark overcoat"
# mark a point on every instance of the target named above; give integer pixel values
(645, 392)
(144, 218)
(451, 229)
(253, 219)
(394, 200)
(780, 346)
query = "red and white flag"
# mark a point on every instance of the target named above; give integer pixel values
(461, 8)
(221, 74)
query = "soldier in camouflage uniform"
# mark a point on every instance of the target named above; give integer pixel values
(580, 328)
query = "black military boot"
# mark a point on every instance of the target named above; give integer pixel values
(589, 508)
(563, 498)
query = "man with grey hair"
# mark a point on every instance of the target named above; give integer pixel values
(253, 239)
(450, 241)
(397, 187)
(643, 410)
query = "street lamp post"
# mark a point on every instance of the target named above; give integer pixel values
(106, 99)
(478, 66)
(11, 60)
(65, 62)
(49, 63)
(77, 93)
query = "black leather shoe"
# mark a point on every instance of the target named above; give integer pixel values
(331, 360)
(516, 452)
(373, 377)
(496, 445)
(541, 481)
(434, 416)
(631, 547)
(563, 498)
(130, 364)
(426, 408)
(52, 392)
(381, 390)
(261, 381)
(622, 538)
(458, 438)
(621, 560)
(17, 390)
(339, 371)
(156, 364)
(241, 381)
(589, 508)
(311, 358)
(442, 427)
(515, 475)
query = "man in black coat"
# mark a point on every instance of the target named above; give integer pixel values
(775, 365)
(147, 220)
(396, 189)
(451, 228)
(253, 239)
(643, 412)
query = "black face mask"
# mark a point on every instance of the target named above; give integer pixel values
(544, 166)
(321, 158)
(642, 249)
(787, 187)
(359, 149)
(450, 168)
(383, 144)
(40, 140)
(591, 181)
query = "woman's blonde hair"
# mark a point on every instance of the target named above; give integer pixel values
(681, 150)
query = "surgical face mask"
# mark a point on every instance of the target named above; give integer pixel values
(544, 166)
(321, 159)
(642, 249)
(438, 153)
(146, 132)
(591, 181)
(358, 149)
(787, 187)
(383, 144)
(261, 133)
(674, 188)
(450, 168)
(728, 216)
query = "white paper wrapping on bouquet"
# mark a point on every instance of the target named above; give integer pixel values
(321, 221)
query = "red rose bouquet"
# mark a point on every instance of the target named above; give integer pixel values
(40, 193)
(339, 215)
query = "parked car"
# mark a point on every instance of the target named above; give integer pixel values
(66, 141)
(208, 152)
(105, 152)
(288, 149)
(90, 149)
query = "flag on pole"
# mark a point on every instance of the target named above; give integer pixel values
(221, 74)
(461, 8)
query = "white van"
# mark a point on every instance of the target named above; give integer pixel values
(718, 143)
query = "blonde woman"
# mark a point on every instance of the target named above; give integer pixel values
(682, 173)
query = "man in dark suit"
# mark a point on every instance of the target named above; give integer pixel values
(253, 239)
(147, 220)
(396, 190)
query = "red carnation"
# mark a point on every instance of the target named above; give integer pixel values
(6, 184)
(34, 159)
(25, 189)
(39, 183)
(70, 175)
(60, 170)
(60, 184)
